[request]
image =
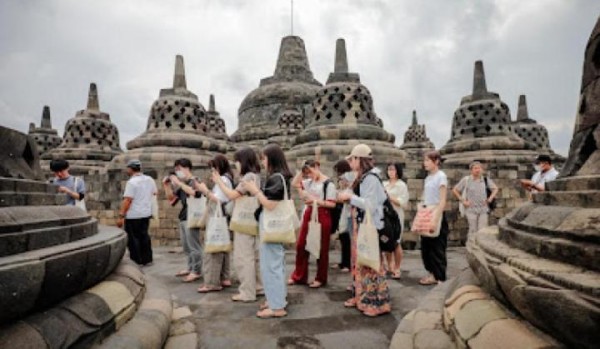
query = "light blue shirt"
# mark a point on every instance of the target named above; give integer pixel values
(372, 196)
(69, 183)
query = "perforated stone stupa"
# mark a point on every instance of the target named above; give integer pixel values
(416, 136)
(46, 138)
(341, 116)
(215, 124)
(177, 127)
(482, 128)
(90, 140)
(292, 85)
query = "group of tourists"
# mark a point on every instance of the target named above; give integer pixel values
(239, 213)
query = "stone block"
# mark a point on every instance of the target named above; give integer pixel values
(19, 289)
(474, 315)
(180, 313)
(429, 339)
(11, 244)
(186, 341)
(22, 336)
(508, 333)
(427, 320)
(451, 310)
(402, 340)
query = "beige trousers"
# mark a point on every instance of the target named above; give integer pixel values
(246, 264)
(477, 221)
(216, 268)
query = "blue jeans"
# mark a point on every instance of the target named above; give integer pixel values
(272, 271)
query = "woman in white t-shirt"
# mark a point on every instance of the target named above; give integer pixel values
(321, 189)
(433, 249)
(398, 193)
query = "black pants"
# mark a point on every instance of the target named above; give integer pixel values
(433, 252)
(138, 240)
(345, 242)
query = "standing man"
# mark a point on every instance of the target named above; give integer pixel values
(73, 187)
(545, 172)
(179, 187)
(471, 192)
(136, 211)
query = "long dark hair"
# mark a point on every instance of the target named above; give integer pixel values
(276, 160)
(221, 163)
(365, 166)
(398, 167)
(248, 160)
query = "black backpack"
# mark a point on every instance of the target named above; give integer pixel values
(389, 234)
(336, 211)
(488, 192)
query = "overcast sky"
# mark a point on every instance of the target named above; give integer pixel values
(410, 54)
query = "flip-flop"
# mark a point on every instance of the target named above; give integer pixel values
(345, 270)
(426, 281)
(315, 284)
(291, 282)
(205, 289)
(263, 306)
(238, 298)
(350, 303)
(226, 283)
(268, 313)
(182, 273)
(396, 275)
(191, 278)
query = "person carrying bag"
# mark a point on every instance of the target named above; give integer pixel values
(279, 224)
(313, 239)
(217, 233)
(367, 244)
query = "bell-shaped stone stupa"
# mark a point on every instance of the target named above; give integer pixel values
(46, 138)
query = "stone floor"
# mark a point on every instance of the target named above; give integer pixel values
(316, 318)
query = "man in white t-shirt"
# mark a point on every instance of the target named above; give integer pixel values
(135, 213)
(545, 172)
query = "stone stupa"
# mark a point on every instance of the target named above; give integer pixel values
(291, 86)
(415, 138)
(46, 138)
(215, 124)
(90, 140)
(341, 116)
(177, 128)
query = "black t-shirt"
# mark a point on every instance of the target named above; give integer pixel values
(273, 190)
(182, 196)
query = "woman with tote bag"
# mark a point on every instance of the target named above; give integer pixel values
(274, 197)
(317, 191)
(216, 267)
(244, 225)
(371, 293)
(434, 243)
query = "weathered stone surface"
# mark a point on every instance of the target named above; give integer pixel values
(432, 339)
(19, 157)
(474, 315)
(46, 138)
(508, 333)
(185, 341)
(21, 335)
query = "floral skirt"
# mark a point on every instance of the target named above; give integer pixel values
(371, 292)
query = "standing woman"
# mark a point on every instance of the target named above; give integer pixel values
(371, 292)
(245, 246)
(344, 172)
(272, 255)
(398, 195)
(216, 265)
(320, 189)
(433, 249)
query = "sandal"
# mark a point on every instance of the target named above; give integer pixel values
(238, 298)
(226, 283)
(291, 282)
(315, 284)
(206, 289)
(263, 306)
(350, 303)
(191, 277)
(396, 275)
(260, 293)
(428, 280)
(269, 313)
(345, 270)
(182, 272)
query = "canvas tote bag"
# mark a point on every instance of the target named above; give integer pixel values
(424, 222)
(155, 207)
(242, 218)
(313, 238)
(196, 212)
(279, 224)
(367, 244)
(217, 233)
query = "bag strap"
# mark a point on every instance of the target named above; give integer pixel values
(313, 216)
(285, 192)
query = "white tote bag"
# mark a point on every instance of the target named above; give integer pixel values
(367, 244)
(217, 233)
(279, 224)
(79, 203)
(461, 207)
(313, 239)
(242, 218)
(196, 210)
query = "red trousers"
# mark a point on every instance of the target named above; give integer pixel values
(300, 274)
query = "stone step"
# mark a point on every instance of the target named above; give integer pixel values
(38, 279)
(574, 183)
(559, 298)
(574, 198)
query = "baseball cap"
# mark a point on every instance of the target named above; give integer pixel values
(360, 151)
(134, 163)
